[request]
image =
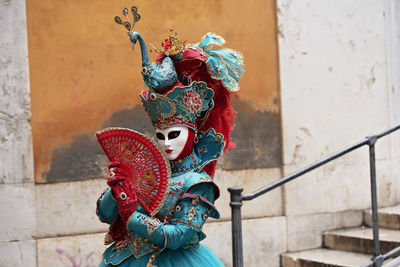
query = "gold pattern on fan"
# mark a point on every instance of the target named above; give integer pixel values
(127, 150)
(148, 181)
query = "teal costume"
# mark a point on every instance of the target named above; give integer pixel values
(189, 86)
(173, 236)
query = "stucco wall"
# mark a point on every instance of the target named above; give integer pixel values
(334, 90)
(17, 195)
(392, 45)
(85, 76)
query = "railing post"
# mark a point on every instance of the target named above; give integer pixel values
(237, 247)
(378, 259)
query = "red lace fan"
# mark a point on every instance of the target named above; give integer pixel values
(149, 168)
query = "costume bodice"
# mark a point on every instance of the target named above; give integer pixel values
(187, 205)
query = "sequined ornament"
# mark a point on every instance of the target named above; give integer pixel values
(191, 214)
(127, 24)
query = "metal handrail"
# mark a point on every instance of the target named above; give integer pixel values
(237, 197)
(388, 255)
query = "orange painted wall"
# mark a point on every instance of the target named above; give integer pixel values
(82, 67)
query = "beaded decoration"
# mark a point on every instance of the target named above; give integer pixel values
(151, 223)
(181, 106)
(127, 24)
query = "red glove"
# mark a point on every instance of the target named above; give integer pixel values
(121, 185)
(117, 231)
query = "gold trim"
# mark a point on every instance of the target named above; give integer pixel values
(152, 258)
(158, 251)
(106, 263)
(188, 223)
(144, 240)
(191, 247)
(129, 219)
(216, 194)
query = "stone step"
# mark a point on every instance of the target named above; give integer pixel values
(324, 258)
(392, 262)
(360, 240)
(388, 217)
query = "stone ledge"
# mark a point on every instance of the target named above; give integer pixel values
(323, 258)
(60, 251)
(21, 253)
(249, 180)
(263, 241)
(360, 240)
(17, 207)
(305, 232)
(335, 187)
(388, 217)
(68, 208)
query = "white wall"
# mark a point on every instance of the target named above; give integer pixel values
(17, 195)
(334, 91)
(392, 37)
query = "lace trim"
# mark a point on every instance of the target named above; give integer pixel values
(151, 223)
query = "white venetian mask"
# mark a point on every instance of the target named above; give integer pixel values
(172, 140)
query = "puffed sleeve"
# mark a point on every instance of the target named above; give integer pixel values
(107, 207)
(184, 229)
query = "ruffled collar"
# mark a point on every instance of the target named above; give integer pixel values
(208, 148)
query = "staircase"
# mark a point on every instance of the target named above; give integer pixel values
(353, 246)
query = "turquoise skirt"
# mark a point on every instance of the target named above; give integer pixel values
(172, 258)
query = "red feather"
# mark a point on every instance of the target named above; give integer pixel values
(222, 116)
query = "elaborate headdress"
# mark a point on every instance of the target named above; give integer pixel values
(191, 85)
(183, 105)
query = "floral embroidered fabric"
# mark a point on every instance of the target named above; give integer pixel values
(183, 105)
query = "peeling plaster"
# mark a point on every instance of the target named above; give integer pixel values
(83, 158)
(257, 138)
(6, 3)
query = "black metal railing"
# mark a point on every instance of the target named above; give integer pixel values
(237, 197)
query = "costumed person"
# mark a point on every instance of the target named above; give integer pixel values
(188, 102)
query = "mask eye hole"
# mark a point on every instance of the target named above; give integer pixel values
(160, 136)
(173, 134)
(144, 71)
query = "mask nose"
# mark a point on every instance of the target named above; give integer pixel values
(167, 142)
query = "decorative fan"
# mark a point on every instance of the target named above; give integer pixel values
(150, 170)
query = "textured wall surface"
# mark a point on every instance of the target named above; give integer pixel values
(15, 131)
(334, 91)
(392, 45)
(17, 195)
(87, 75)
